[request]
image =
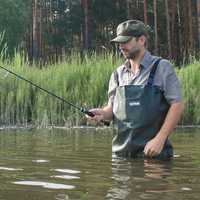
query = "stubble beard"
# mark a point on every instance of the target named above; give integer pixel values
(133, 54)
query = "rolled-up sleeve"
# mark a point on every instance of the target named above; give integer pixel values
(171, 83)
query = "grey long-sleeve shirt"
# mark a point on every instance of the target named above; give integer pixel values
(165, 78)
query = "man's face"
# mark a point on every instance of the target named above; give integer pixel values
(132, 48)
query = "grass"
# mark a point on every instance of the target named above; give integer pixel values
(189, 77)
(81, 83)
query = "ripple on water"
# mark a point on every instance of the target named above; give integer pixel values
(10, 169)
(186, 189)
(40, 161)
(45, 184)
(69, 171)
(62, 197)
(68, 177)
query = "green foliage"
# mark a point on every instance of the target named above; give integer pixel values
(81, 84)
(62, 26)
(67, 22)
(190, 81)
(3, 46)
(15, 16)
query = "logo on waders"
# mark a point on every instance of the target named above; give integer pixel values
(134, 103)
(128, 124)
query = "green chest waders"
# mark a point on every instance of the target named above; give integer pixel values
(139, 112)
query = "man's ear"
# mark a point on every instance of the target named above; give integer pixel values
(142, 40)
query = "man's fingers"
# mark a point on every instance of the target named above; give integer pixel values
(151, 153)
(148, 151)
(93, 112)
(97, 118)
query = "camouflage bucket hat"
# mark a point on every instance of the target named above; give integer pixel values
(129, 29)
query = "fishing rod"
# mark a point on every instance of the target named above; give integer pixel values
(81, 109)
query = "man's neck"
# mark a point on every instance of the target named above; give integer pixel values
(135, 63)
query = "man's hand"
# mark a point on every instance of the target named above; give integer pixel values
(98, 115)
(154, 147)
(102, 115)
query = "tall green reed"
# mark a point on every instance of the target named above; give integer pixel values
(81, 82)
(189, 77)
(3, 46)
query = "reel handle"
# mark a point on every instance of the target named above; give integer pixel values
(107, 123)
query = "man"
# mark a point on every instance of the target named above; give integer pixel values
(144, 97)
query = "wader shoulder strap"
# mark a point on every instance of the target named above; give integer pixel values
(116, 77)
(153, 71)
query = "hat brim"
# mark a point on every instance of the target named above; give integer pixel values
(121, 39)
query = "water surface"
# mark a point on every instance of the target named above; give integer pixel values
(78, 165)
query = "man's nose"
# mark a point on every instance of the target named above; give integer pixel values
(121, 45)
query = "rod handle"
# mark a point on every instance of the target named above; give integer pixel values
(107, 123)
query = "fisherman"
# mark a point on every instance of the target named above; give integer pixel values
(144, 97)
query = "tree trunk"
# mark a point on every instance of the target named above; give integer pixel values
(174, 28)
(190, 27)
(168, 29)
(86, 25)
(128, 8)
(34, 30)
(186, 23)
(198, 21)
(40, 30)
(87, 30)
(155, 27)
(145, 12)
(179, 32)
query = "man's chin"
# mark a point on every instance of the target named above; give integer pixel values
(130, 55)
(133, 54)
(126, 55)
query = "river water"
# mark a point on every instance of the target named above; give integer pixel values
(77, 164)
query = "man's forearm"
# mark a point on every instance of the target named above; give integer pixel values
(171, 120)
(108, 112)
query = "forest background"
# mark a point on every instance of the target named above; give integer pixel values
(49, 29)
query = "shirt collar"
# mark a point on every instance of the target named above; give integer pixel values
(145, 63)
(147, 59)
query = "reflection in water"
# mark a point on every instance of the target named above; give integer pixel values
(130, 176)
(40, 161)
(78, 165)
(10, 169)
(65, 177)
(157, 169)
(45, 184)
(62, 197)
(186, 189)
(70, 171)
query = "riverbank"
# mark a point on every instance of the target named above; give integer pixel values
(86, 128)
